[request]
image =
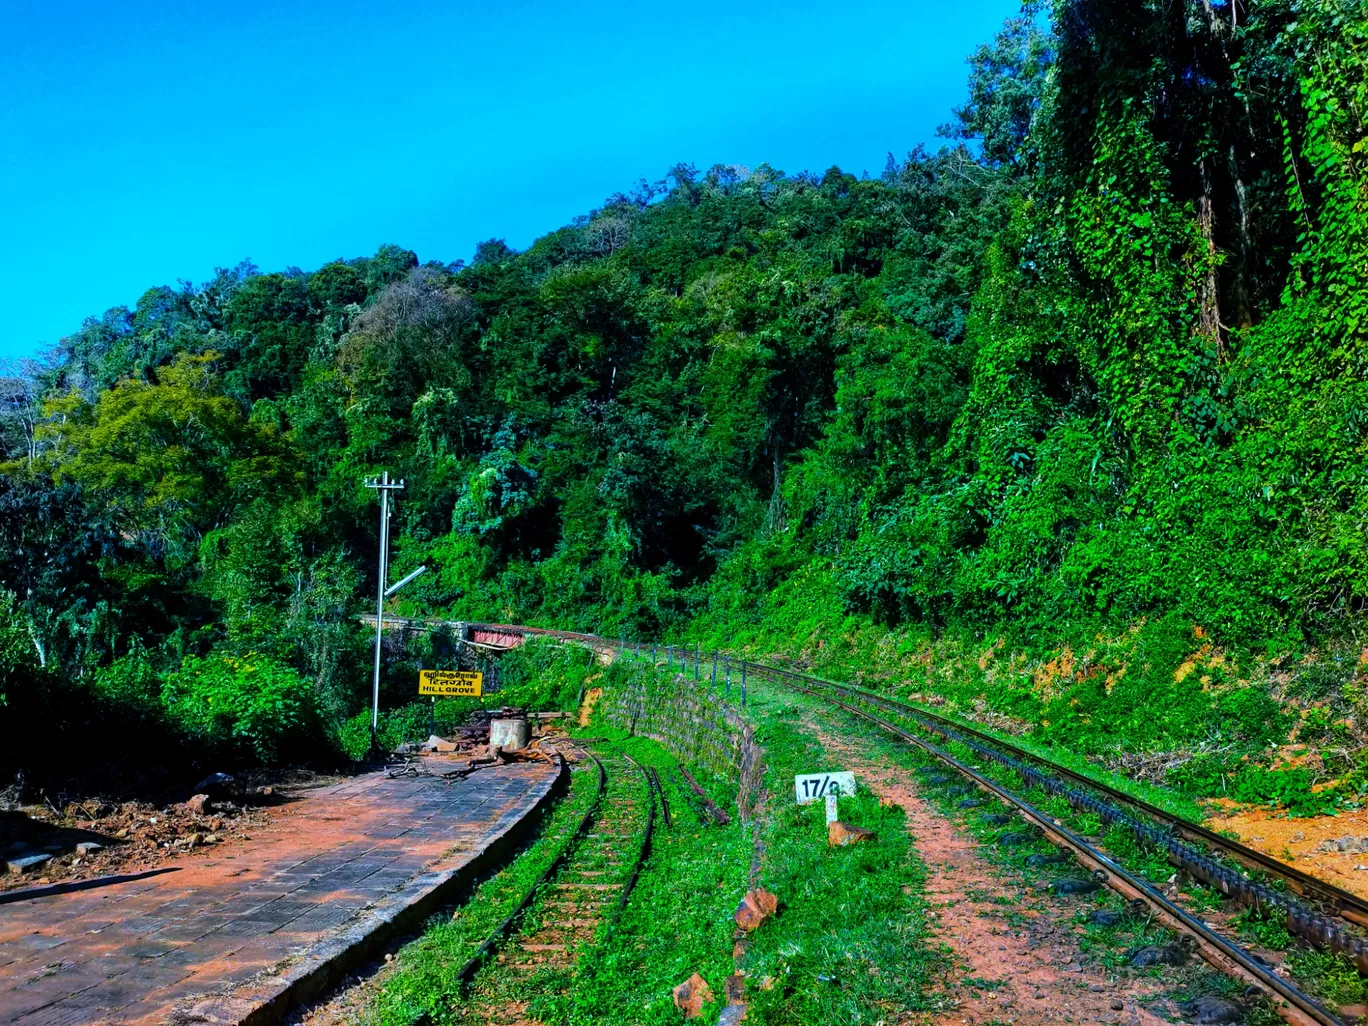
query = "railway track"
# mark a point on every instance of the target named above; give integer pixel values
(1314, 909)
(580, 894)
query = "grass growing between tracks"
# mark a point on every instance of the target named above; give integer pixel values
(848, 946)
(423, 988)
(678, 919)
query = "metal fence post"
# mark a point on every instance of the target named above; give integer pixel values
(696, 654)
(726, 661)
(714, 672)
(743, 683)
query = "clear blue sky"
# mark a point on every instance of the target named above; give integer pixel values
(143, 142)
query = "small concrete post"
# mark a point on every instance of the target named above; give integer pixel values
(831, 808)
(512, 733)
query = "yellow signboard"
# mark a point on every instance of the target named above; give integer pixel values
(451, 683)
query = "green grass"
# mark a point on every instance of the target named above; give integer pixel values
(1333, 978)
(848, 945)
(678, 920)
(424, 983)
(1164, 798)
(552, 991)
(851, 943)
(1079, 723)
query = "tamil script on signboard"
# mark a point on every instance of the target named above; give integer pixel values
(451, 683)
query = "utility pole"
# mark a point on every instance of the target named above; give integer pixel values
(384, 486)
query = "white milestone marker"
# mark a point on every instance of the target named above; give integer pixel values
(810, 787)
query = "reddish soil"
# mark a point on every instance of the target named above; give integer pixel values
(1021, 947)
(135, 836)
(1296, 841)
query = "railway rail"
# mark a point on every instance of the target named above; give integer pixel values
(566, 905)
(1177, 837)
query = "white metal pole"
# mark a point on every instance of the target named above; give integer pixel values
(380, 601)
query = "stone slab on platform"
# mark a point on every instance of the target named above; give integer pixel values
(245, 932)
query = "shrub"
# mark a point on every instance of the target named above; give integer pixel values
(353, 736)
(543, 675)
(405, 723)
(250, 708)
(128, 688)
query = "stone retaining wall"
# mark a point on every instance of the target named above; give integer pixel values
(694, 723)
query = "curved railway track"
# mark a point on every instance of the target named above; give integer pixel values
(1349, 906)
(584, 888)
(1204, 854)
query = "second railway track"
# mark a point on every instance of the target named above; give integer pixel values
(1315, 911)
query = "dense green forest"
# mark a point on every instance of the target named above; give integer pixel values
(1098, 358)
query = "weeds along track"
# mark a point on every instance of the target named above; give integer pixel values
(1202, 853)
(1314, 910)
(1286, 998)
(576, 900)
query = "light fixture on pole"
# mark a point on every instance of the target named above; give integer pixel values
(399, 584)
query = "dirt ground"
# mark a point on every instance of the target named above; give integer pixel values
(1298, 841)
(1020, 948)
(135, 836)
(350, 1003)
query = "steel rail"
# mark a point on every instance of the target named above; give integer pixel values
(501, 932)
(1349, 906)
(1287, 999)
(644, 851)
(467, 972)
(1301, 920)
(1304, 922)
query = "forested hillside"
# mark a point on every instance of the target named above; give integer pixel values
(1098, 358)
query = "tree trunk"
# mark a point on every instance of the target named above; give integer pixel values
(1208, 296)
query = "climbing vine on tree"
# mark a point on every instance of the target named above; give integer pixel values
(1098, 359)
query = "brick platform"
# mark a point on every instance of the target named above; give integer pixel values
(240, 935)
